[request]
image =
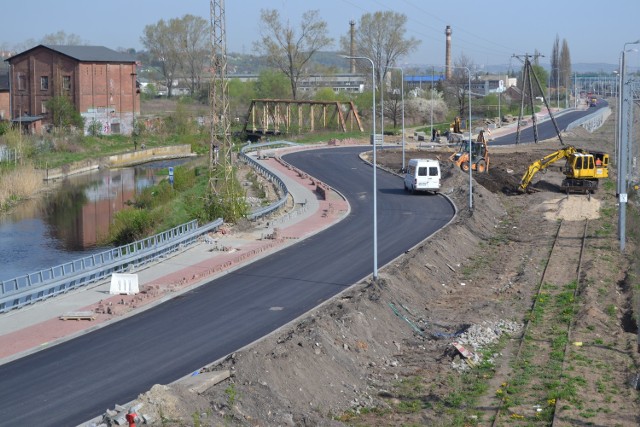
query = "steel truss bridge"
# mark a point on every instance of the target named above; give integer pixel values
(284, 116)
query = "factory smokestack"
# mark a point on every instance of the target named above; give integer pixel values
(448, 68)
(352, 51)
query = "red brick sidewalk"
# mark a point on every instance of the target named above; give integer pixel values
(50, 332)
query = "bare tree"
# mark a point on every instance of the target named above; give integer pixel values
(59, 38)
(393, 98)
(457, 87)
(381, 37)
(62, 38)
(163, 41)
(194, 55)
(289, 50)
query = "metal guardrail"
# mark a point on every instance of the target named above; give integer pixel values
(267, 174)
(53, 281)
(592, 121)
(43, 284)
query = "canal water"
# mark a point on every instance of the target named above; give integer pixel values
(72, 220)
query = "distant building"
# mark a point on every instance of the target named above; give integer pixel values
(495, 83)
(338, 82)
(422, 81)
(99, 82)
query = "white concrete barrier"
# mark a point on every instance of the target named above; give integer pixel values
(122, 283)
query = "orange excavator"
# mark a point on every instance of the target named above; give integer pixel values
(479, 155)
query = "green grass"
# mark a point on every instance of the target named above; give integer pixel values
(57, 151)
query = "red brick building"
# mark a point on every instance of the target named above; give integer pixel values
(100, 82)
(4, 97)
(5, 103)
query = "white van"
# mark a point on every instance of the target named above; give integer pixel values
(422, 175)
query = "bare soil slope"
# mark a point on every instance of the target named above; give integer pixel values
(381, 353)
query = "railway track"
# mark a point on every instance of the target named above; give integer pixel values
(533, 393)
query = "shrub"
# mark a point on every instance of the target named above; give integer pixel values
(131, 225)
(95, 128)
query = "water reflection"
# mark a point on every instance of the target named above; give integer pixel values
(80, 213)
(70, 221)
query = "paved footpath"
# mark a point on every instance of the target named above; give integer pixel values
(29, 329)
(36, 327)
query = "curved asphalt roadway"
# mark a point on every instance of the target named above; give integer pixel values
(546, 130)
(79, 379)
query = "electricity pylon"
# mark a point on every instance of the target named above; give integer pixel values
(223, 189)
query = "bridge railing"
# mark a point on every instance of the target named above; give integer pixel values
(33, 287)
(591, 121)
(53, 281)
(258, 213)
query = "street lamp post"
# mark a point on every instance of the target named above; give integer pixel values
(383, 85)
(575, 90)
(133, 100)
(499, 112)
(470, 144)
(470, 157)
(375, 185)
(558, 88)
(622, 149)
(432, 77)
(402, 100)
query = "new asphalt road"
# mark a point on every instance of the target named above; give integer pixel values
(77, 380)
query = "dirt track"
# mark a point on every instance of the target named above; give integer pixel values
(382, 354)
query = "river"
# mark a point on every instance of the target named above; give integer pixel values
(70, 221)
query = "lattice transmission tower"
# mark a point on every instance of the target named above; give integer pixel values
(222, 186)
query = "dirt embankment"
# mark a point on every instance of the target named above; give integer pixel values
(381, 353)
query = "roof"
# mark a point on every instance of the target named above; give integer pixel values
(424, 78)
(27, 119)
(84, 53)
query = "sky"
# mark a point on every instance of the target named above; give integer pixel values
(487, 32)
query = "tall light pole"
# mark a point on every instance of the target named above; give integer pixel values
(432, 77)
(133, 100)
(500, 90)
(383, 86)
(470, 157)
(470, 144)
(402, 100)
(557, 70)
(622, 149)
(558, 88)
(375, 185)
(575, 90)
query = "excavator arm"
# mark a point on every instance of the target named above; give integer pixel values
(543, 163)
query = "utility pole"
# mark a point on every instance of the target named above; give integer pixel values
(221, 179)
(526, 84)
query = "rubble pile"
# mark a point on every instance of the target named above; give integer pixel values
(478, 337)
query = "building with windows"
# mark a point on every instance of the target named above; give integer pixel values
(99, 82)
(308, 84)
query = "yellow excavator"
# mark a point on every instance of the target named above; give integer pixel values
(582, 169)
(479, 155)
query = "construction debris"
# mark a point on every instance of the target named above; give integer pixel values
(79, 315)
(200, 382)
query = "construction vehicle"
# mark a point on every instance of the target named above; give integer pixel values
(479, 155)
(454, 127)
(582, 170)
